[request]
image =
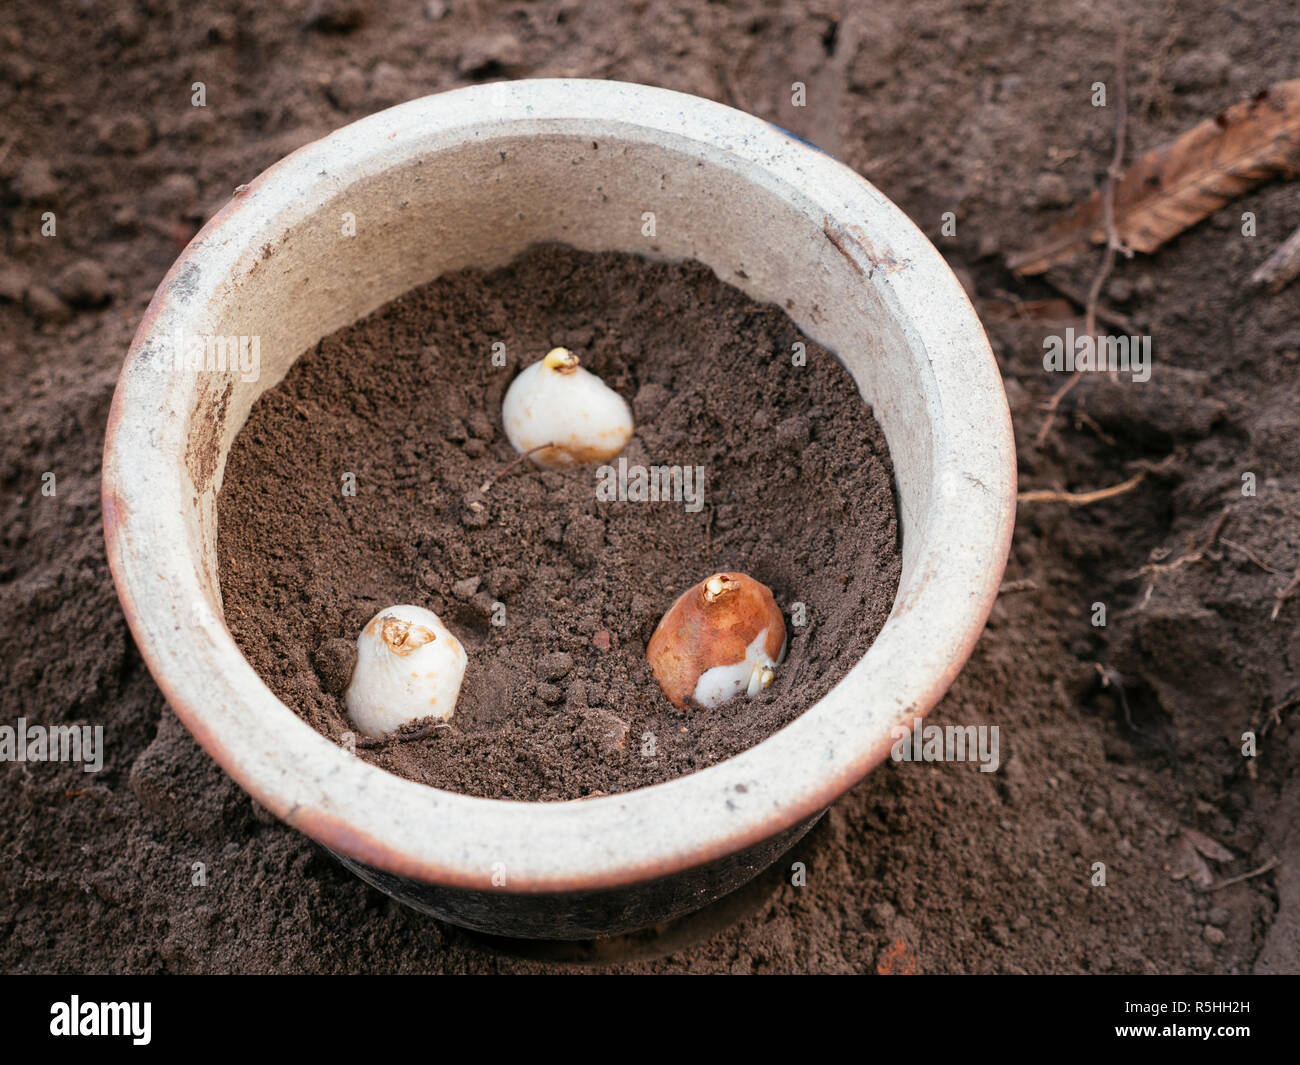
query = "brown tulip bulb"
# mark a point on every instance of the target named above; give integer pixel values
(724, 636)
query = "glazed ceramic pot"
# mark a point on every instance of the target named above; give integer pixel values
(471, 178)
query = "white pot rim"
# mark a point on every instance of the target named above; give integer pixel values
(412, 830)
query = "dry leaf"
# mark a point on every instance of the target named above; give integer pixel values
(1188, 865)
(1173, 187)
(1212, 849)
(1280, 268)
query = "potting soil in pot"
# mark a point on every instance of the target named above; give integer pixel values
(378, 473)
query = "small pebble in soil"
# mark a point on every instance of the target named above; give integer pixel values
(555, 665)
(335, 16)
(34, 182)
(83, 284)
(1051, 190)
(45, 305)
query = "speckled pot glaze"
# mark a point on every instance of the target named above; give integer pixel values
(471, 178)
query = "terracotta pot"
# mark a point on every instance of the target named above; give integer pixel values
(471, 178)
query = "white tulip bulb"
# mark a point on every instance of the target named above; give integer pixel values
(409, 667)
(563, 415)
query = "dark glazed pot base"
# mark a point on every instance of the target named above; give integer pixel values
(584, 916)
(659, 941)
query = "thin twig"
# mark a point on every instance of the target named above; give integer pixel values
(1052, 404)
(1286, 594)
(512, 464)
(1082, 499)
(1268, 866)
(1113, 175)
(1197, 555)
(1113, 243)
(1248, 553)
(1110, 678)
(1280, 268)
(1155, 92)
(1153, 569)
(1083, 418)
(1273, 715)
(1078, 499)
(1104, 314)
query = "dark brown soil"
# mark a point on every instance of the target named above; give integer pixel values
(558, 701)
(981, 109)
